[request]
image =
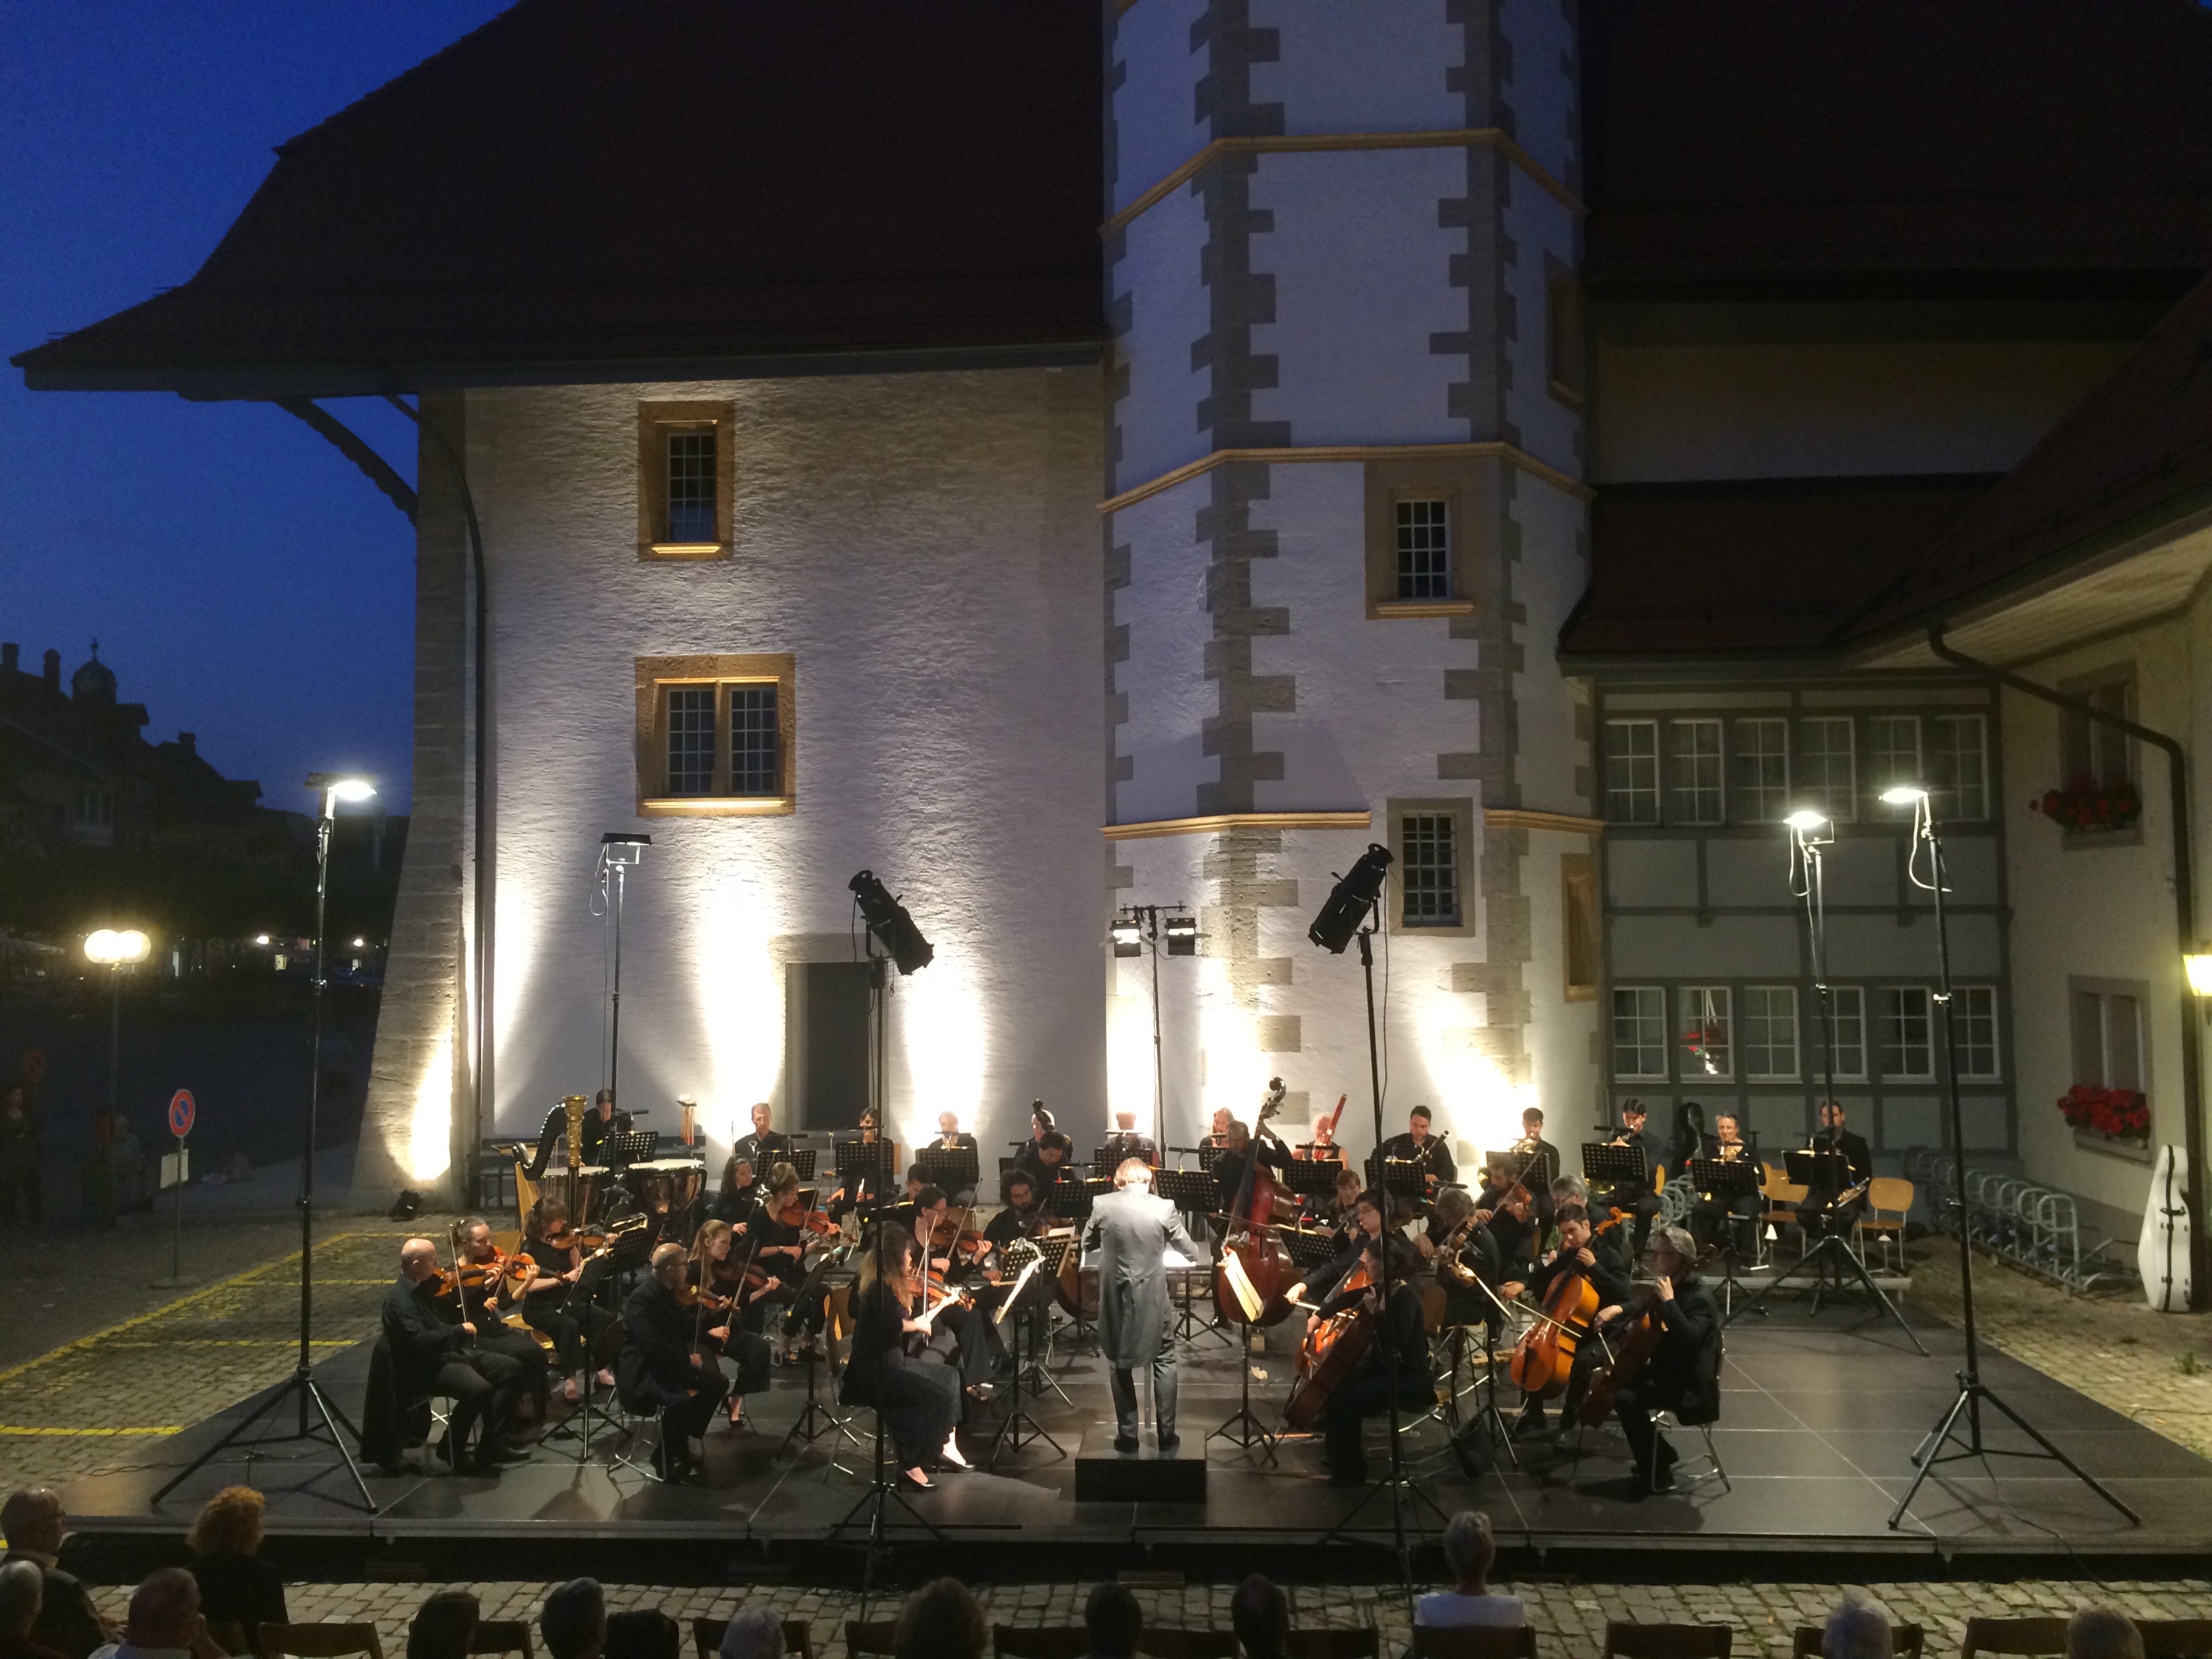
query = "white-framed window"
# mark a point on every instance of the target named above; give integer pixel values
(1892, 757)
(1632, 771)
(1695, 793)
(1428, 870)
(1901, 1013)
(1708, 1039)
(1639, 1031)
(1827, 776)
(2095, 752)
(2108, 1034)
(1847, 1016)
(1769, 1033)
(1762, 771)
(1424, 545)
(1974, 1028)
(1958, 750)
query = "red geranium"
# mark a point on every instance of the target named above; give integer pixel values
(2124, 1114)
(2086, 805)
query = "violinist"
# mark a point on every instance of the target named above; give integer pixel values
(1821, 1213)
(1126, 1143)
(1338, 1215)
(489, 1286)
(918, 1401)
(965, 1332)
(1727, 1218)
(1506, 1209)
(1462, 1253)
(774, 1244)
(714, 1285)
(1593, 1257)
(1639, 1199)
(739, 1193)
(1394, 1367)
(1683, 1373)
(661, 1371)
(1023, 1216)
(550, 1304)
(601, 1121)
(766, 1146)
(853, 1195)
(434, 1352)
(1417, 1145)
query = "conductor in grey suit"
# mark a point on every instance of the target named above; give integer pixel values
(1130, 1233)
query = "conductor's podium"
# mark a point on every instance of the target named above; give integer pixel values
(1103, 1475)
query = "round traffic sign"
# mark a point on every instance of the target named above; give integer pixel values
(181, 1113)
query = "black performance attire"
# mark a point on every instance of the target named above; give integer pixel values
(1431, 1154)
(763, 1151)
(1121, 1145)
(1683, 1377)
(1230, 1167)
(593, 1138)
(495, 1335)
(1641, 1201)
(654, 1374)
(1813, 1214)
(745, 1349)
(568, 1313)
(919, 1401)
(734, 1204)
(1737, 1215)
(1397, 1365)
(1609, 1277)
(431, 1355)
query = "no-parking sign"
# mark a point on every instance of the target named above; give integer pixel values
(181, 1113)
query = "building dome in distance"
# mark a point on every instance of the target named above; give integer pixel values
(95, 682)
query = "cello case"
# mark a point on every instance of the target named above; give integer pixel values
(2162, 1252)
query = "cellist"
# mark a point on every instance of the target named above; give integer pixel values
(1396, 1363)
(1591, 1256)
(1683, 1373)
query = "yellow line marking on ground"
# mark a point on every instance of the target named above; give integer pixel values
(238, 1342)
(11, 1428)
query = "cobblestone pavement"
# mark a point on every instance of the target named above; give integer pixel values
(2155, 1368)
(94, 1402)
(1570, 1618)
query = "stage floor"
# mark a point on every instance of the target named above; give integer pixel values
(1819, 1422)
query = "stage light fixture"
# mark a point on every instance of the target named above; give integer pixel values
(1805, 820)
(1183, 936)
(1350, 902)
(616, 847)
(1904, 794)
(1128, 935)
(2197, 964)
(888, 921)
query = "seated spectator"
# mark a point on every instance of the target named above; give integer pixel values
(35, 1524)
(575, 1621)
(1470, 1551)
(1113, 1620)
(444, 1626)
(1259, 1613)
(236, 1585)
(164, 1622)
(22, 1588)
(940, 1620)
(754, 1633)
(1855, 1630)
(643, 1633)
(2102, 1633)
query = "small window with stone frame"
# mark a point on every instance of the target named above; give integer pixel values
(686, 455)
(715, 734)
(1428, 877)
(1424, 529)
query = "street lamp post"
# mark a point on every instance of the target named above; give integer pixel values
(114, 951)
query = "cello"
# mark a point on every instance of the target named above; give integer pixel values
(1249, 1242)
(1330, 1352)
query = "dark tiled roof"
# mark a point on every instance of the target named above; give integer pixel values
(1766, 570)
(1865, 138)
(587, 190)
(2135, 449)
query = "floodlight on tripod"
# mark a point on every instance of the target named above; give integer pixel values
(1351, 902)
(888, 921)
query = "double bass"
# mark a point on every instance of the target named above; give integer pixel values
(1249, 1240)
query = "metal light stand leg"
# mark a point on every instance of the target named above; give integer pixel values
(302, 1387)
(816, 1419)
(1972, 1391)
(1242, 1428)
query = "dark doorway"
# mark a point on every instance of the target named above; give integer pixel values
(826, 1038)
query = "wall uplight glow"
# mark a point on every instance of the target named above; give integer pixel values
(430, 1126)
(1129, 1058)
(940, 1025)
(1476, 1101)
(740, 1004)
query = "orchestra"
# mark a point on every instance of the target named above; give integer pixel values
(1528, 1250)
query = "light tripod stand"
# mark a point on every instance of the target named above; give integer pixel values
(1973, 1392)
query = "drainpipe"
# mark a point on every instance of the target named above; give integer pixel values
(2184, 907)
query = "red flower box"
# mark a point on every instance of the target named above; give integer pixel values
(2085, 806)
(2120, 1113)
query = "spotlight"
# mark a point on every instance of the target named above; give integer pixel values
(1183, 936)
(888, 921)
(1349, 904)
(615, 848)
(1904, 794)
(1128, 935)
(1805, 820)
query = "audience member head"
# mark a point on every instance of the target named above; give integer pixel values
(940, 1620)
(229, 1524)
(2102, 1633)
(444, 1626)
(1469, 1549)
(1113, 1620)
(1855, 1630)
(22, 1587)
(755, 1633)
(33, 1519)
(1261, 1615)
(165, 1610)
(575, 1621)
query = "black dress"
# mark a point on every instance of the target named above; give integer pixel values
(918, 1400)
(241, 1588)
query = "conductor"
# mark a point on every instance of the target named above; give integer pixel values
(1130, 1232)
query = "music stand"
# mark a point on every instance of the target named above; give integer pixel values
(1206, 1156)
(951, 1168)
(624, 1255)
(1309, 1177)
(1009, 1433)
(1242, 1427)
(1194, 1194)
(816, 1419)
(871, 1161)
(1804, 1167)
(802, 1159)
(1727, 1181)
(1404, 1177)
(1071, 1200)
(1615, 1166)
(1052, 1258)
(623, 1147)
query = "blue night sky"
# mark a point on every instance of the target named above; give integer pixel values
(243, 580)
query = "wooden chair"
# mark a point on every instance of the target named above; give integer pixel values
(1188, 1643)
(2021, 1635)
(1783, 1196)
(503, 1636)
(1332, 1642)
(329, 1641)
(1905, 1642)
(1628, 1640)
(874, 1637)
(707, 1637)
(1888, 1199)
(1475, 1642)
(2175, 1638)
(1039, 1641)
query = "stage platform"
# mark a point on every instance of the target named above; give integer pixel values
(1819, 1422)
